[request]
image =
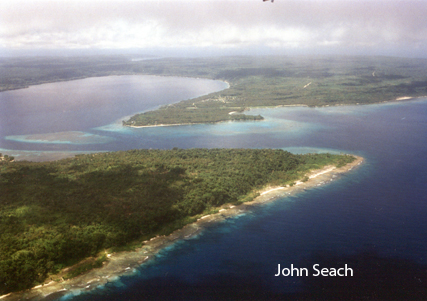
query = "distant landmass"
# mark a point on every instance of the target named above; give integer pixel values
(254, 81)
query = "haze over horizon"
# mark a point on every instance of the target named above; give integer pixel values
(202, 27)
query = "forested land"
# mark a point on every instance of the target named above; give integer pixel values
(54, 214)
(254, 81)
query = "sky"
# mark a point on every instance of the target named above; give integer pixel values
(385, 27)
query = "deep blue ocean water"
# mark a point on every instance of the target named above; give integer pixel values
(374, 219)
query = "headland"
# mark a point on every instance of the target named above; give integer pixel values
(125, 263)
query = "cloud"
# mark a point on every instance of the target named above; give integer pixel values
(221, 24)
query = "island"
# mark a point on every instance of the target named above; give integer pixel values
(62, 218)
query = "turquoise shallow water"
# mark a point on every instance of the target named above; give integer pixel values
(71, 116)
(373, 219)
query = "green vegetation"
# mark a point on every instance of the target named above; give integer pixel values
(254, 81)
(54, 214)
(203, 112)
(281, 81)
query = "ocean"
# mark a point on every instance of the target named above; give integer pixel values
(373, 219)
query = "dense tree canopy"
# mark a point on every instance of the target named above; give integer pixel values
(53, 214)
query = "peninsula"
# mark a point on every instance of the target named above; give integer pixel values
(284, 81)
(98, 204)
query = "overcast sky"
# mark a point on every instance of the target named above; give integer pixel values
(241, 26)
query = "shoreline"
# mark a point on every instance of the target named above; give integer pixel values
(396, 100)
(124, 263)
(46, 155)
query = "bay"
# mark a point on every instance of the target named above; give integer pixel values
(375, 214)
(63, 116)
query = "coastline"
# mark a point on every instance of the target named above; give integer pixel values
(124, 263)
(57, 155)
(159, 125)
(398, 99)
